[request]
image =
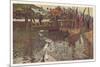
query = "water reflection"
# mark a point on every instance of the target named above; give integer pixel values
(56, 47)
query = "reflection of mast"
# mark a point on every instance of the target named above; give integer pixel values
(28, 44)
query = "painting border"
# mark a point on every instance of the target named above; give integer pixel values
(56, 62)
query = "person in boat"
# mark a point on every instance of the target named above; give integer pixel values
(40, 18)
(31, 15)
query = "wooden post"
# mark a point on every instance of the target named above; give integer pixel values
(28, 40)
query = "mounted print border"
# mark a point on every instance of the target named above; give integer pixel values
(51, 33)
